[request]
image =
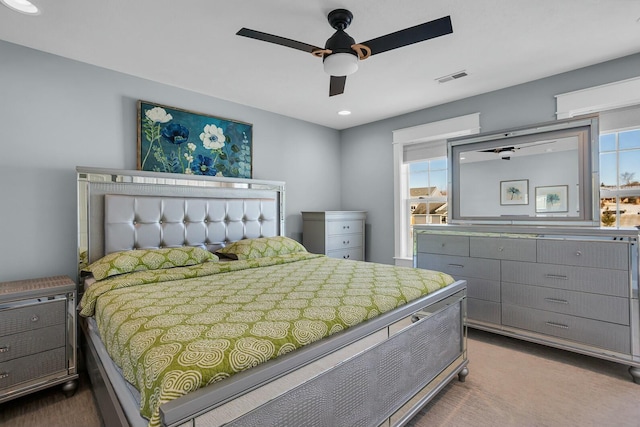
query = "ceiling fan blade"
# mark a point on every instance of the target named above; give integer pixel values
(336, 85)
(422, 32)
(258, 35)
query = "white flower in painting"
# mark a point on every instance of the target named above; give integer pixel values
(158, 115)
(212, 138)
(191, 146)
(189, 157)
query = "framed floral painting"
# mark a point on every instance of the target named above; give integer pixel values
(180, 141)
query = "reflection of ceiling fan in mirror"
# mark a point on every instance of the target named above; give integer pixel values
(503, 152)
(341, 53)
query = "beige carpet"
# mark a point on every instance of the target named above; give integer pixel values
(510, 383)
(516, 383)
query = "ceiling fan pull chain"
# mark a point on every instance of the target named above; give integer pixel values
(363, 51)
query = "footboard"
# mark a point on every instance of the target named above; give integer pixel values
(372, 386)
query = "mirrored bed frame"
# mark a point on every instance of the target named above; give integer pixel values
(394, 364)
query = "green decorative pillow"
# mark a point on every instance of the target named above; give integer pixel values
(261, 247)
(148, 259)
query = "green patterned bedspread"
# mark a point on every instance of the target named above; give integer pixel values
(176, 330)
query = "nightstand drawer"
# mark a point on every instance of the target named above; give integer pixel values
(36, 341)
(30, 317)
(27, 368)
(343, 242)
(344, 227)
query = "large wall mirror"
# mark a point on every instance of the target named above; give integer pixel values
(539, 174)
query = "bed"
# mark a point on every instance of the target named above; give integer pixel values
(212, 316)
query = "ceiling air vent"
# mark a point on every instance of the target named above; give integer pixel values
(453, 76)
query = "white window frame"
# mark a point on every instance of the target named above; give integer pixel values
(601, 99)
(596, 99)
(432, 137)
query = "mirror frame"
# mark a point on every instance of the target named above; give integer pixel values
(585, 127)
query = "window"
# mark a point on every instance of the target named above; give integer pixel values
(619, 152)
(421, 178)
(426, 199)
(620, 178)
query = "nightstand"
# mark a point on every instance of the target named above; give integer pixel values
(37, 336)
(338, 234)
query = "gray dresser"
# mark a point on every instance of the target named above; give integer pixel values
(37, 336)
(338, 234)
(575, 289)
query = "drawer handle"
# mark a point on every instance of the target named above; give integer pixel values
(346, 256)
(556, 276)
(35, 318)
(345, 242)
(557, 325)
(4, 375)
(500, 249)
(456, 265)
(345, 227)
(559, 301)
(578, 253)
(5, 349)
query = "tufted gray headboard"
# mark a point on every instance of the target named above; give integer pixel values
(122, 210)
(139, 222)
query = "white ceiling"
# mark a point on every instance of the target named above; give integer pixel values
(192, 44)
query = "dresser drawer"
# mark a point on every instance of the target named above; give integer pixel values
(594, 280)
(28, 368)
(584, 253)
(345, 227)
(353, 254)
(605, 335)
(484, 289)
(483, 311)
(592, 306)
(461, 266)
(503, 248)
(443, 244)
(36, 341)
(36, 316)
(343, 242)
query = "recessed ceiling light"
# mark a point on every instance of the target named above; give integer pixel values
(22, 6)
(344, 112)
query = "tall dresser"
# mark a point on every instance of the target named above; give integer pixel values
(571, 288)
(338, 234)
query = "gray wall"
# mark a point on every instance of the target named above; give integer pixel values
(367, 155)
(56, 114)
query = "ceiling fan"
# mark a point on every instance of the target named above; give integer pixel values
(341, 53)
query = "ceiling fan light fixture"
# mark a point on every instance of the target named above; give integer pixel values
(22, 6)
(340, 64)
